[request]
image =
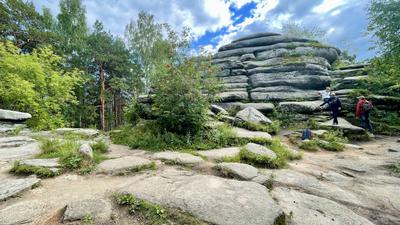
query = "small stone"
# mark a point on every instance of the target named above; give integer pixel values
(260, 150)
(220, 154)
(98, 209)
(11, 187)
(122, 165)
(178, 157)
(26, 212)
(86, 149)
(238, 170)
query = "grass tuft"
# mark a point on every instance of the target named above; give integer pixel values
(309, 145)
(27, 170)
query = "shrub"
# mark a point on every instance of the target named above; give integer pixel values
(99, 146)
(309, 145)
(333, 140)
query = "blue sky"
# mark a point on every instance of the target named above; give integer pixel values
(218, 22)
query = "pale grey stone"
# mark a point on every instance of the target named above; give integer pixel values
(238, 72)
(11, 187)
(293, 79)
(251, 115)
(237, 106)
(230, 86)
(303, 68)
(13, 115)
(301, 107)
(235, 79)
(86, 150)
(247, 57)
(330, 54)
(178, 157)
(344, 125)
(14, 141)
(243, 133)
(308, 209)
(256, 35)
(238, 170)
(261, 41)
(318, 132)
(48, 163)
(261, 179)
(220, 154)
(354, 146)
(218, 110)
(122, 165)
(233, 96)
(212, 199)
(20, 152)
(260, 150)
(287, 61)
(26, 212)
(307, 95)
(227, 119)
(98, 209)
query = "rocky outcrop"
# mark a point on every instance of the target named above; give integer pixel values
(273, 67)
(9, 115)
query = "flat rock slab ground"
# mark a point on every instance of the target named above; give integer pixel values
(98, 209)
(178, 158)
(212, 199)
(122, 165)
(26, 212)
(220, 154)
(343, 124)
(48, 163)
(238, 170)
(11, 187)
(18, 147)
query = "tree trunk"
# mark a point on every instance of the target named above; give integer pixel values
(102, 99)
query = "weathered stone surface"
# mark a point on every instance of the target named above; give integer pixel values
(293, 79)
(243, 133)
(260, 150)
(213, 199)
(235, 79)
(49, 163)
(329, 54)
(251, 115)
(122, 165)
(82, 131)
(229, 64)
(238, 72)
(288, 95)
(230, 86)
(220, 154)
(98, 209)
(233, 96)
(294, 60)
(20, 152)
(178, 157)
(318, 132)
(301, 107)
(256, 35)
(13, 115)
(354, 146)
(247, 57)
(14, 141)
(238, 170)
(308, 209)
(301, 68)
(26, 212)
(227, 119)
(343, 124)
(11, 187)
(353, 66)
(218, 110)
(86, 150)
(261, 41)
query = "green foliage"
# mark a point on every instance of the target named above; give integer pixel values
(37, 85)
(146, 135)
(100, 146)
(334, 136)
(26, 170)
(309, 145)
(394, 168)
(384, 75)
(155, 214)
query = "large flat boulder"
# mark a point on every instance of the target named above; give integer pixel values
(19, 152)
(301, 107)
(237, 106)
(123, 165)
(260, 150)
(344, 125)
(293, 79)
(11, 187)
(14, 141)
(26, 212)
(251, 115)
(240, 171)
(215, 200)
(308, 209)
(260, 94)
(48, 163)
(99, 210)
(243, 133)
(220, 154)
(178, 157)
(261, 41)
(9, 115)
(287, 61)
(233, 96)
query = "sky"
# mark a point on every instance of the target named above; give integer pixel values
(218, 22)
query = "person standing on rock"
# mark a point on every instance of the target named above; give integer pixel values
(326, 95)
(336, 106)
(363, 109)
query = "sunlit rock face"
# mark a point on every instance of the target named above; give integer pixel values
(267, 67)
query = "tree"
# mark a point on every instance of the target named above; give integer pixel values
(142, 36)
(37, 85)
(293, 29)
(24, 26)
(384, 24)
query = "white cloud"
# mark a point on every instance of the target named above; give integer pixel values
(240, 3)
(328, 5)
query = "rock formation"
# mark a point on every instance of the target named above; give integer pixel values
(270, 67)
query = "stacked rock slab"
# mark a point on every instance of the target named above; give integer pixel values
(267, 67)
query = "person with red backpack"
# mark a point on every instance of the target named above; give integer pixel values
(363, 110)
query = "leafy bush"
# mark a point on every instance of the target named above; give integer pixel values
(309, 145)
(36, 85)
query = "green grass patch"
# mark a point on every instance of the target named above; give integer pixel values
(148, 136)
(99, 146)
(310, 145)
(156, 214)
(393, 168)
(27, 170)
(151, 166)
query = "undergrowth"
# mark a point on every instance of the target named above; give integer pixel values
(26, 170)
